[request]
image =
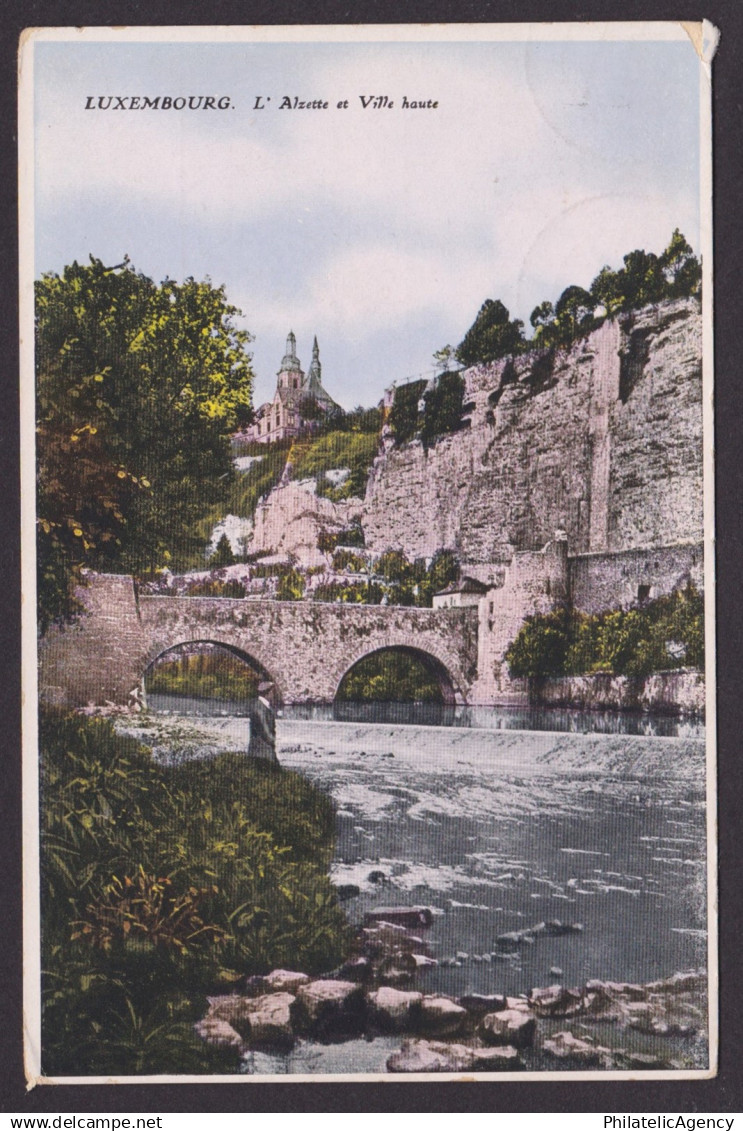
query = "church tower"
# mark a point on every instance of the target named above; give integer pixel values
(290, 374)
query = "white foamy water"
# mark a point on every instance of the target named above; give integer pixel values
(499, 830)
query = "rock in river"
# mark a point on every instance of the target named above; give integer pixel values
(330, 1008)
(437, 1056)
(509, 1027)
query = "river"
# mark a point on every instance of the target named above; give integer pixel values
(496, 830)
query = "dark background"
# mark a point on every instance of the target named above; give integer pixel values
(725, 1093)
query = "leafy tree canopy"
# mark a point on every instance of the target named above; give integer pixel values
(443, 407)
(493, 334)
(139, 385)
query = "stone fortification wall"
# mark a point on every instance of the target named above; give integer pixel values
(535, 582)
(602, 439)
(101, 656)
(618, 581)
(671, 693)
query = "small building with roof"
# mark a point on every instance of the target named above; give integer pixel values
(468, 591)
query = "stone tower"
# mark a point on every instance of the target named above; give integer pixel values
(290, 375)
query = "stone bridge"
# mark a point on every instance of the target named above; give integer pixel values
(304, 648)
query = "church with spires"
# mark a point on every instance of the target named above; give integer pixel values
(300, 403)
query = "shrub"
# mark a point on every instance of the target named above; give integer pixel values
(404, 411)
(219, 869)
(664, 634)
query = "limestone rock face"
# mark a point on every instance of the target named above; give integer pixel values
(290, 518)
(510, 1027)
(603, 440)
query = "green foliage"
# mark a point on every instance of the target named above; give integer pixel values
(250, 486)
(160, 884)
(392, 578)
(215, 674)
(445, 359)
(540, 646)
(138, 388)
(290, 585)
(662, 635)
(443, 411)
(646, 277)
(390, 676)
(345, 559)
(404, 412)
(493, 334)
(355, 450)
(353, 535)
(223, 555)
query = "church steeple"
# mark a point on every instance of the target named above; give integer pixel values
(290, 361)
(314, 377)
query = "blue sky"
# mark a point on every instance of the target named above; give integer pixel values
(381, 231)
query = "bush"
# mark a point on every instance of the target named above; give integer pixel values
(161, 884)
(664, 634)
(404, 411)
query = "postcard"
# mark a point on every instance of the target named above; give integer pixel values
(368, 553)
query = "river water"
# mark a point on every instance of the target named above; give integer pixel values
(498, 829)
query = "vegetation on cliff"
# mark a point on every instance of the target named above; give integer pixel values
(661, 635)
(139, 386)
(161, 884)
(644, 278)
(391, 578)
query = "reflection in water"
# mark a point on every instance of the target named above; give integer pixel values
(444, 715)
(506, 718)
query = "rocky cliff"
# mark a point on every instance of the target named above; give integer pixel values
(602, 440)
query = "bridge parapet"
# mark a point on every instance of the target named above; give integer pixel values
(305, 648)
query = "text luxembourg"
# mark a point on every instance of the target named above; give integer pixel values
(160, 102)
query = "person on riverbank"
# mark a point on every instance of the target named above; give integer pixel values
(262, 726)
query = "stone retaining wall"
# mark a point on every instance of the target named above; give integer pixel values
(671, 693)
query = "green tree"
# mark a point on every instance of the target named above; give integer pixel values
(492, 335)
(443, 407)
(445, 359)
(641, 279)
(681, 269)
(606, 290)
(223, 555)
(540, 647)
(573, 313)
(138, 387)
(542, 319)
(404, 412)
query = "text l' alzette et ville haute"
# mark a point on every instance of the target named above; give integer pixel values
(261, 102)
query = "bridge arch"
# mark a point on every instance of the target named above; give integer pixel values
(277, 695)
(434, 665)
